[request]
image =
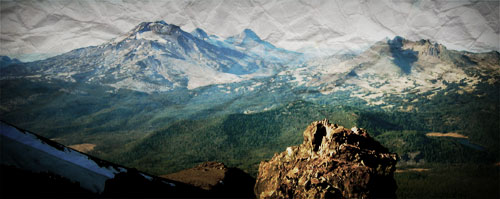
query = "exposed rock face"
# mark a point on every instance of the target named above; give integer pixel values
(332, 162)
(427, 48)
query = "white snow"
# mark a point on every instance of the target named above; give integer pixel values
(199, 76)
(26, 151)
(68, 154)
(147, 177)
(169, 183)
(149, 35)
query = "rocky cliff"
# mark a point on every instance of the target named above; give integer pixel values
(332, 162)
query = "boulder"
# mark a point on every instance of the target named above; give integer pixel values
(332, 162)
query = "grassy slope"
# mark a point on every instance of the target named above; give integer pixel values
(451, 181)
(241, 140)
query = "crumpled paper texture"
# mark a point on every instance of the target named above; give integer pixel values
(32, 30)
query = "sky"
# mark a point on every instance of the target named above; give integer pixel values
(31, 30)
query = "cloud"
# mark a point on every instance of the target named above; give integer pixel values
(30, 28)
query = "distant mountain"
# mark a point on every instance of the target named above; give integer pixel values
(250, 42)
(5, 61)
(399, 67)
(161, 57)
(157, 57)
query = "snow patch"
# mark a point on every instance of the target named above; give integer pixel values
(68, 154)
(149, 35)
(169, 183)
(147, 177)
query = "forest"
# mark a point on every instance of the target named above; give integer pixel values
(161, 134)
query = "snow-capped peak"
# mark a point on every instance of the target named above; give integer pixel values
(201, 34)
(151, 31)
(249, 34)
(246, 38)
(159, 57)
(157, 27)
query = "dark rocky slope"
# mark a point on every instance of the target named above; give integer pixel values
(218, 179)
(33, 167)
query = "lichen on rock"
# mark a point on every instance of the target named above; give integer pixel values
(332, 162)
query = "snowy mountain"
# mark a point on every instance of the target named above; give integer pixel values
(5, 60)
(159, 57)
(55, 27)
(250, 42)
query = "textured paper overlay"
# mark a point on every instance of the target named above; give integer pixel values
(38, 29)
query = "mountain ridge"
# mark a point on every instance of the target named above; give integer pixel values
(161, 57)
(162, 47)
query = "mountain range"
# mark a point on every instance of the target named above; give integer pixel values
(162, 99)
(159, 57)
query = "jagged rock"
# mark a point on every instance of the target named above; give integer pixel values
(332, 162)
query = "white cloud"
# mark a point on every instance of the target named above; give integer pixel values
(30, 28)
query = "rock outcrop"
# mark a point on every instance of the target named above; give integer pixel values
(332, 162)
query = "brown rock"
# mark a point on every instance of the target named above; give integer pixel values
(206, 175)
(332, 162)
(217, 179)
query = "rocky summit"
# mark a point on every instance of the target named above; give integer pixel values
(332, 162)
